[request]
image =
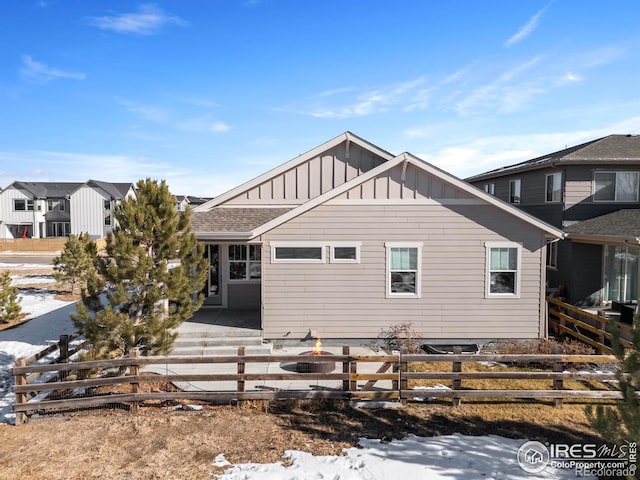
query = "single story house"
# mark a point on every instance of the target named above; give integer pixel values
(348, 239)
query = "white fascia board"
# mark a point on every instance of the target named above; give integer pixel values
(274, 172)
(224, 236)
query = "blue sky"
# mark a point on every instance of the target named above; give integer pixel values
(208, 94)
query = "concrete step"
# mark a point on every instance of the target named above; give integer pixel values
(217, 342)
(220, 332)
(262, 349)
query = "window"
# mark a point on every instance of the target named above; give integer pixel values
(490, 188)
(245, 262)
(297, 252)
(107, 204)
(22, 205)
(345, 253)
(107, 220)
(554, 187)
(514, 191)
(620, 283)
(58, 229)
(61, 204)
(615, 186)
(49, 205)
(552, 255)
(403, 269)
(503, 267)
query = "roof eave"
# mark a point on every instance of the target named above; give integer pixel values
(224, 236)
(603, 239)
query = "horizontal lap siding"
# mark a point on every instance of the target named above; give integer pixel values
(348, 300)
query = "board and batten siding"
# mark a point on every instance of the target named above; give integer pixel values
(9, 216)
(311, 178)
(348, 300)
(87, 212)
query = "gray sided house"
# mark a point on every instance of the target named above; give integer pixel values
(348, 239)
(592, 192)
(58, 209)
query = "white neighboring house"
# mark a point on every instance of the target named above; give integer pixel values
(57, 209)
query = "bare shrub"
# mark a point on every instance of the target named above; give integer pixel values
(401, 336)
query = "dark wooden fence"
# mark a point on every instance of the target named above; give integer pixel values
(349, 383)
(587, 327)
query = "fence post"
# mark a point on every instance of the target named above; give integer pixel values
(456, 383)
(404, 383)
(134, 370)
(64, 354)
(241, 371)
(558, 367)
(21, 379)
(346, 368)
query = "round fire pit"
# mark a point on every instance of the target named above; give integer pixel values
(322, 365)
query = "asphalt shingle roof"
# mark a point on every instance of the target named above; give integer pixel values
(622, 223)
(618, 149)
(225, 219)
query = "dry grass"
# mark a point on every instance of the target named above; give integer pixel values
(167, 444)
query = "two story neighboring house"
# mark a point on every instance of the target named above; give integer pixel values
(57, 209)
(592, 192)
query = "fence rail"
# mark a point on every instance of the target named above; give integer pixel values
(587, 327)
(346, 384)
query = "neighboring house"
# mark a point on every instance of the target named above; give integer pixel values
(587, 190)
(347, 239)
(184, 201)
(58, 209)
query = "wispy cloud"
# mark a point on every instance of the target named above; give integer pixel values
(40, 73)
(148, 20)
(219, 127)
(152, 113)
(366, 102)
(527, 29)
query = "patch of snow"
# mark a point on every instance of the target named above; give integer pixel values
(220, 461)
(17, 280)
(450, 457)
(491, 364)
(23, 266)
(438, 386)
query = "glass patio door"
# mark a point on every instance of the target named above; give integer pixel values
(620, 273)
(213, 287)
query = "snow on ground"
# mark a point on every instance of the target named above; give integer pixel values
(448, 457)
(451, 457)
(49, 319)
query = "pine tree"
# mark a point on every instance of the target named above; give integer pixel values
(10, 308)
(622, 423)
(77, 263)
(154, 272)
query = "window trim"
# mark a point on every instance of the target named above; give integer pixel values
(49, 205)
(390, 245)
(61, 204)
(546, 187)
(488, 247)
(333, 245)
(301, 244)
(512, 197)
(28, 205)
(490, 188)
(615, 190)
(552, 255)
(248, 262)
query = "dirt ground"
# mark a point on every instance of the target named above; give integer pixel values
(168, 444)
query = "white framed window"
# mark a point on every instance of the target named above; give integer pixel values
(404, 269)
(245, 262)
(490, 188)
(552, 255)
(22, 205)
(503, 269)
(106, 204)
(344, 252)
(107, 220)
(49, 205)
(298, 252)
(615, 186)
(514, 191)
(61, 204)
(553, 183)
